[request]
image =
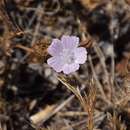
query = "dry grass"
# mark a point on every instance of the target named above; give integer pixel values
(101, 86)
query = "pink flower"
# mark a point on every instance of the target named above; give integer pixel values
(66, 55)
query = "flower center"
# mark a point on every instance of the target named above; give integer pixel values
(68, 56)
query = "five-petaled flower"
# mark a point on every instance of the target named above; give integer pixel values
(66, 55)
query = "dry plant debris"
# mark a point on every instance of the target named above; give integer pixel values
(35, 97)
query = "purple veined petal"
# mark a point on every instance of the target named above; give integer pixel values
(69, 68)
(80, 55)
(56, 63)
(55, 47)
(69, 42)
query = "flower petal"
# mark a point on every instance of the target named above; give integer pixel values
(69, 41)
(80, 55)
(55, 47)
(56, 63)
(69, 68)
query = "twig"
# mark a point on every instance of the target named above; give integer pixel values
(40, 117)
(36, 32)
(97, 81)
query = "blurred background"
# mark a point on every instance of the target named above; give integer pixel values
(32, 97)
